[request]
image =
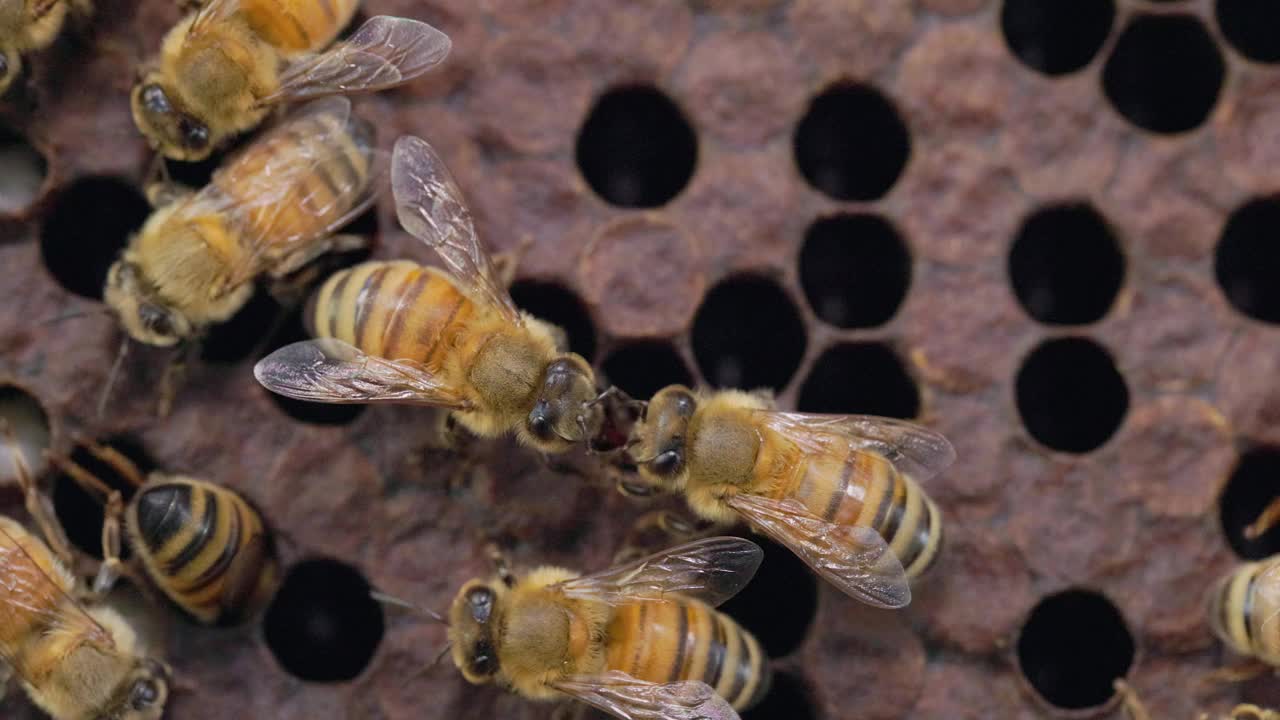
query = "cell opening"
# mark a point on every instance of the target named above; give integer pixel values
(22, 172)
(851, 143)
(1164, 74)
(1251, 488)
(860, 378)
(748, 334)
(81, 513)
(1247, 259)
(87, 225)
(559, 306)
(313, 413)
(1070, 395)
(237, 338)
(1056, 37)
(322, 626)
(636, 147)
(1073, 646)
(855, 270)
(1250, 27)
(1065, 265)
(788, 698)
(779, 620)
(29, 422)
(643, 368)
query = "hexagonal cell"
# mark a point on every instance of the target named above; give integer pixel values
(788, 697)
(643, 368)
(29, 422)
(852, 143)
(779, 621)
(1072, 647)
(1247, 259)
(747, 334)
(855, 270)
(1070, 395)
(1056, 37)
(1065, 265)
(80, 512)
(22, 172)
(1250, 27)
(1164, 73)
(559, 306)
(292, 329)
(860, 378)
(322, 625)
(87, 225)
(1251, 488)
(636, 147)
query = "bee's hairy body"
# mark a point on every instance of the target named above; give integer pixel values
(1237, 612)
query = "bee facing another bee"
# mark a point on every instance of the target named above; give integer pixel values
(29, 25)
(223, 67)
(399, 332)
(840, 491)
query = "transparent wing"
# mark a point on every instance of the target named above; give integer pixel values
(1267, 586)
(853, 558)
(711, 570)
(211, 12)
(429, 205)
(623, 696)
(332, 371)
(385, 51)
(914, 450)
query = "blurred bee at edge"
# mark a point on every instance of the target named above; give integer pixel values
(29, 25)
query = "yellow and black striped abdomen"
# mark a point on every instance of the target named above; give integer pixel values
(397, 310)
(295, 26)
(1238, 611)
(666, 641)
(204, 547)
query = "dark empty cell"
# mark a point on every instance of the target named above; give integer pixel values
(1247, 261)
(747, 334)
(1065, 265)
(642, 369)
(855, 270)
(560, 307)
(80, 512)
(1253, 486)
(1073, 646)
(778, 605)
(237, 338)
(22, 172)
(1056, 36)
(1070, 395)
(86, 227)
(1252, 27)
(636, 149)
(860, 378)
(316, 413)
(788, 698)
(852, 144)
(1164, 73)
(322, 625)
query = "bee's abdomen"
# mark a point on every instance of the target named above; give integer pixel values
(397, 310)
(298, 25)
(675, 640)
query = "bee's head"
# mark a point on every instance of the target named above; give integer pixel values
(473, 623)
(658, 438)
(145, 317)
(563, 413)
(144, 692)
(171, 129)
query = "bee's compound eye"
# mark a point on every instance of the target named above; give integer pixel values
(540, 423)
(154, 99)
(144, 694)
(4, 65)
(194, 134)
(667, 463)
(155, 320)
(481, 602)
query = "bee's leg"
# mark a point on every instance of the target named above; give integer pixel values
(505, 264)
(174, 374)
(118, 461)
(37, 503)
(297, 259)
(1239, 672)
(95, 486)
(569, 710)
(660, 529)
(160, 189)
(1133, 706)
(111, 568)
(1265, 521)
(633, 485)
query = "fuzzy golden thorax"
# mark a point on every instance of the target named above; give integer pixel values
(722, 445)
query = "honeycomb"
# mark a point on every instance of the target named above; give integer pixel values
(1045, 229)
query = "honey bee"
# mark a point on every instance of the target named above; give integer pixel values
(29, 25)
(640, 641)
(205, 547)
(840, 491)
(223, 67)
(1244, 612)
(1136, 710)
(271, 209)
(399, 332)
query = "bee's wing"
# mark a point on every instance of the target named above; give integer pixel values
(853, 558)
(332, 371)
(711, 570)
(212, 11)
(1267, 585)
(385, 51)
(912, 449)
(429, 205)
(623, 696)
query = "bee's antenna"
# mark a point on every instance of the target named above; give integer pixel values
(111, 377)
(73, 314)
(443, 652)
(386, 599)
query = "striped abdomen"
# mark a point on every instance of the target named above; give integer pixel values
(666, 641)
(204, 547)
(298, 25)
(1237, 611)
(396, 310)
(854, 487)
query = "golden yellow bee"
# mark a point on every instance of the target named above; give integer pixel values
(1244, 612)
(1136, 710)
(840, 491)
(399, 332)
(29, 25)
(640, 641)
(205, 547)
(271, 209)
(223, 67)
